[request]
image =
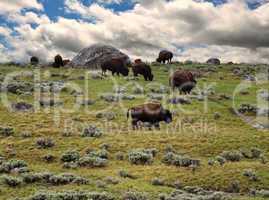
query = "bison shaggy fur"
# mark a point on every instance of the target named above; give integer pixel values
(165, 56)
(143, 69)
(153, 113)
(115, 65)
(183, 80)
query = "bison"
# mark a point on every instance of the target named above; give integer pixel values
(66, 61)
(34, 60)
(143, 69)
(58, 61)
(152, 113)
(183, 80)
(115, 65)
(165, 56)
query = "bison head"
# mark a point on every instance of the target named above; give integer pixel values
(167, 116)
(158, 60)
(125, 71)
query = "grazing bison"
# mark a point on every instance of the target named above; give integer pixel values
(58, 61)
(153, 113)
(66, 61)
(115, 65)
(165, 56)
(143, 69)
(183, 80)
(34, 60)
(138, 61)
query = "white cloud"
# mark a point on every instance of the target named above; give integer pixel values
(231, 31)
(28, 18)
(4, 31)
(12, 6)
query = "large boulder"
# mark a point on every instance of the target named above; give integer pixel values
(92, 57)
(213, 61)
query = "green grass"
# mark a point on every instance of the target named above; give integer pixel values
(227, 133)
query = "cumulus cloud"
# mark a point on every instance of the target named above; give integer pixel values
(12, 6)
(192, 30)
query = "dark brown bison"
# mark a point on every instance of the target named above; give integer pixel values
(165, 56)
(58, 61)
(34, 60)
(152, 113)
(66, 61)
(138, 61)
(115, 65)
(143, 69)
(183, 80)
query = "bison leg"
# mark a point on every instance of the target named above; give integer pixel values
(157, 126)
(134, 124)
(146, 78)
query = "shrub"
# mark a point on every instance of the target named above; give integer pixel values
(87, 102)
(31, 178)
(72, 195)
(10, 165)
(101, 184)
(44, 143)
(233, 156)
(61, 179)
(70, 165)
(106, 115)
(255, 152)
(126, 174)
(105, 146)
(263, 193)
(250, 174)
(70, 156)
(157, 182)
(12, 181)
(89, 161)
(179, 160)
(160, 90)
(132, 195)
(101, 153)
(179, 100)
(92, 131)
(112, 180)
(138, 90)
(221, 160)
(140, 157)
(6, 131)
(110, 97)
(119, 90)
(234, 187)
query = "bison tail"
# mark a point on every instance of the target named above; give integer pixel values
(128, 113)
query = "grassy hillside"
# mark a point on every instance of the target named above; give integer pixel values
(201, 130)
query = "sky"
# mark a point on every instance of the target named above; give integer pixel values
(232, 30)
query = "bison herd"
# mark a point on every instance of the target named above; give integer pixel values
(152, 113)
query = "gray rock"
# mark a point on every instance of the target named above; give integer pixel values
(22, 106)
(92, 56)
(179, 100)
